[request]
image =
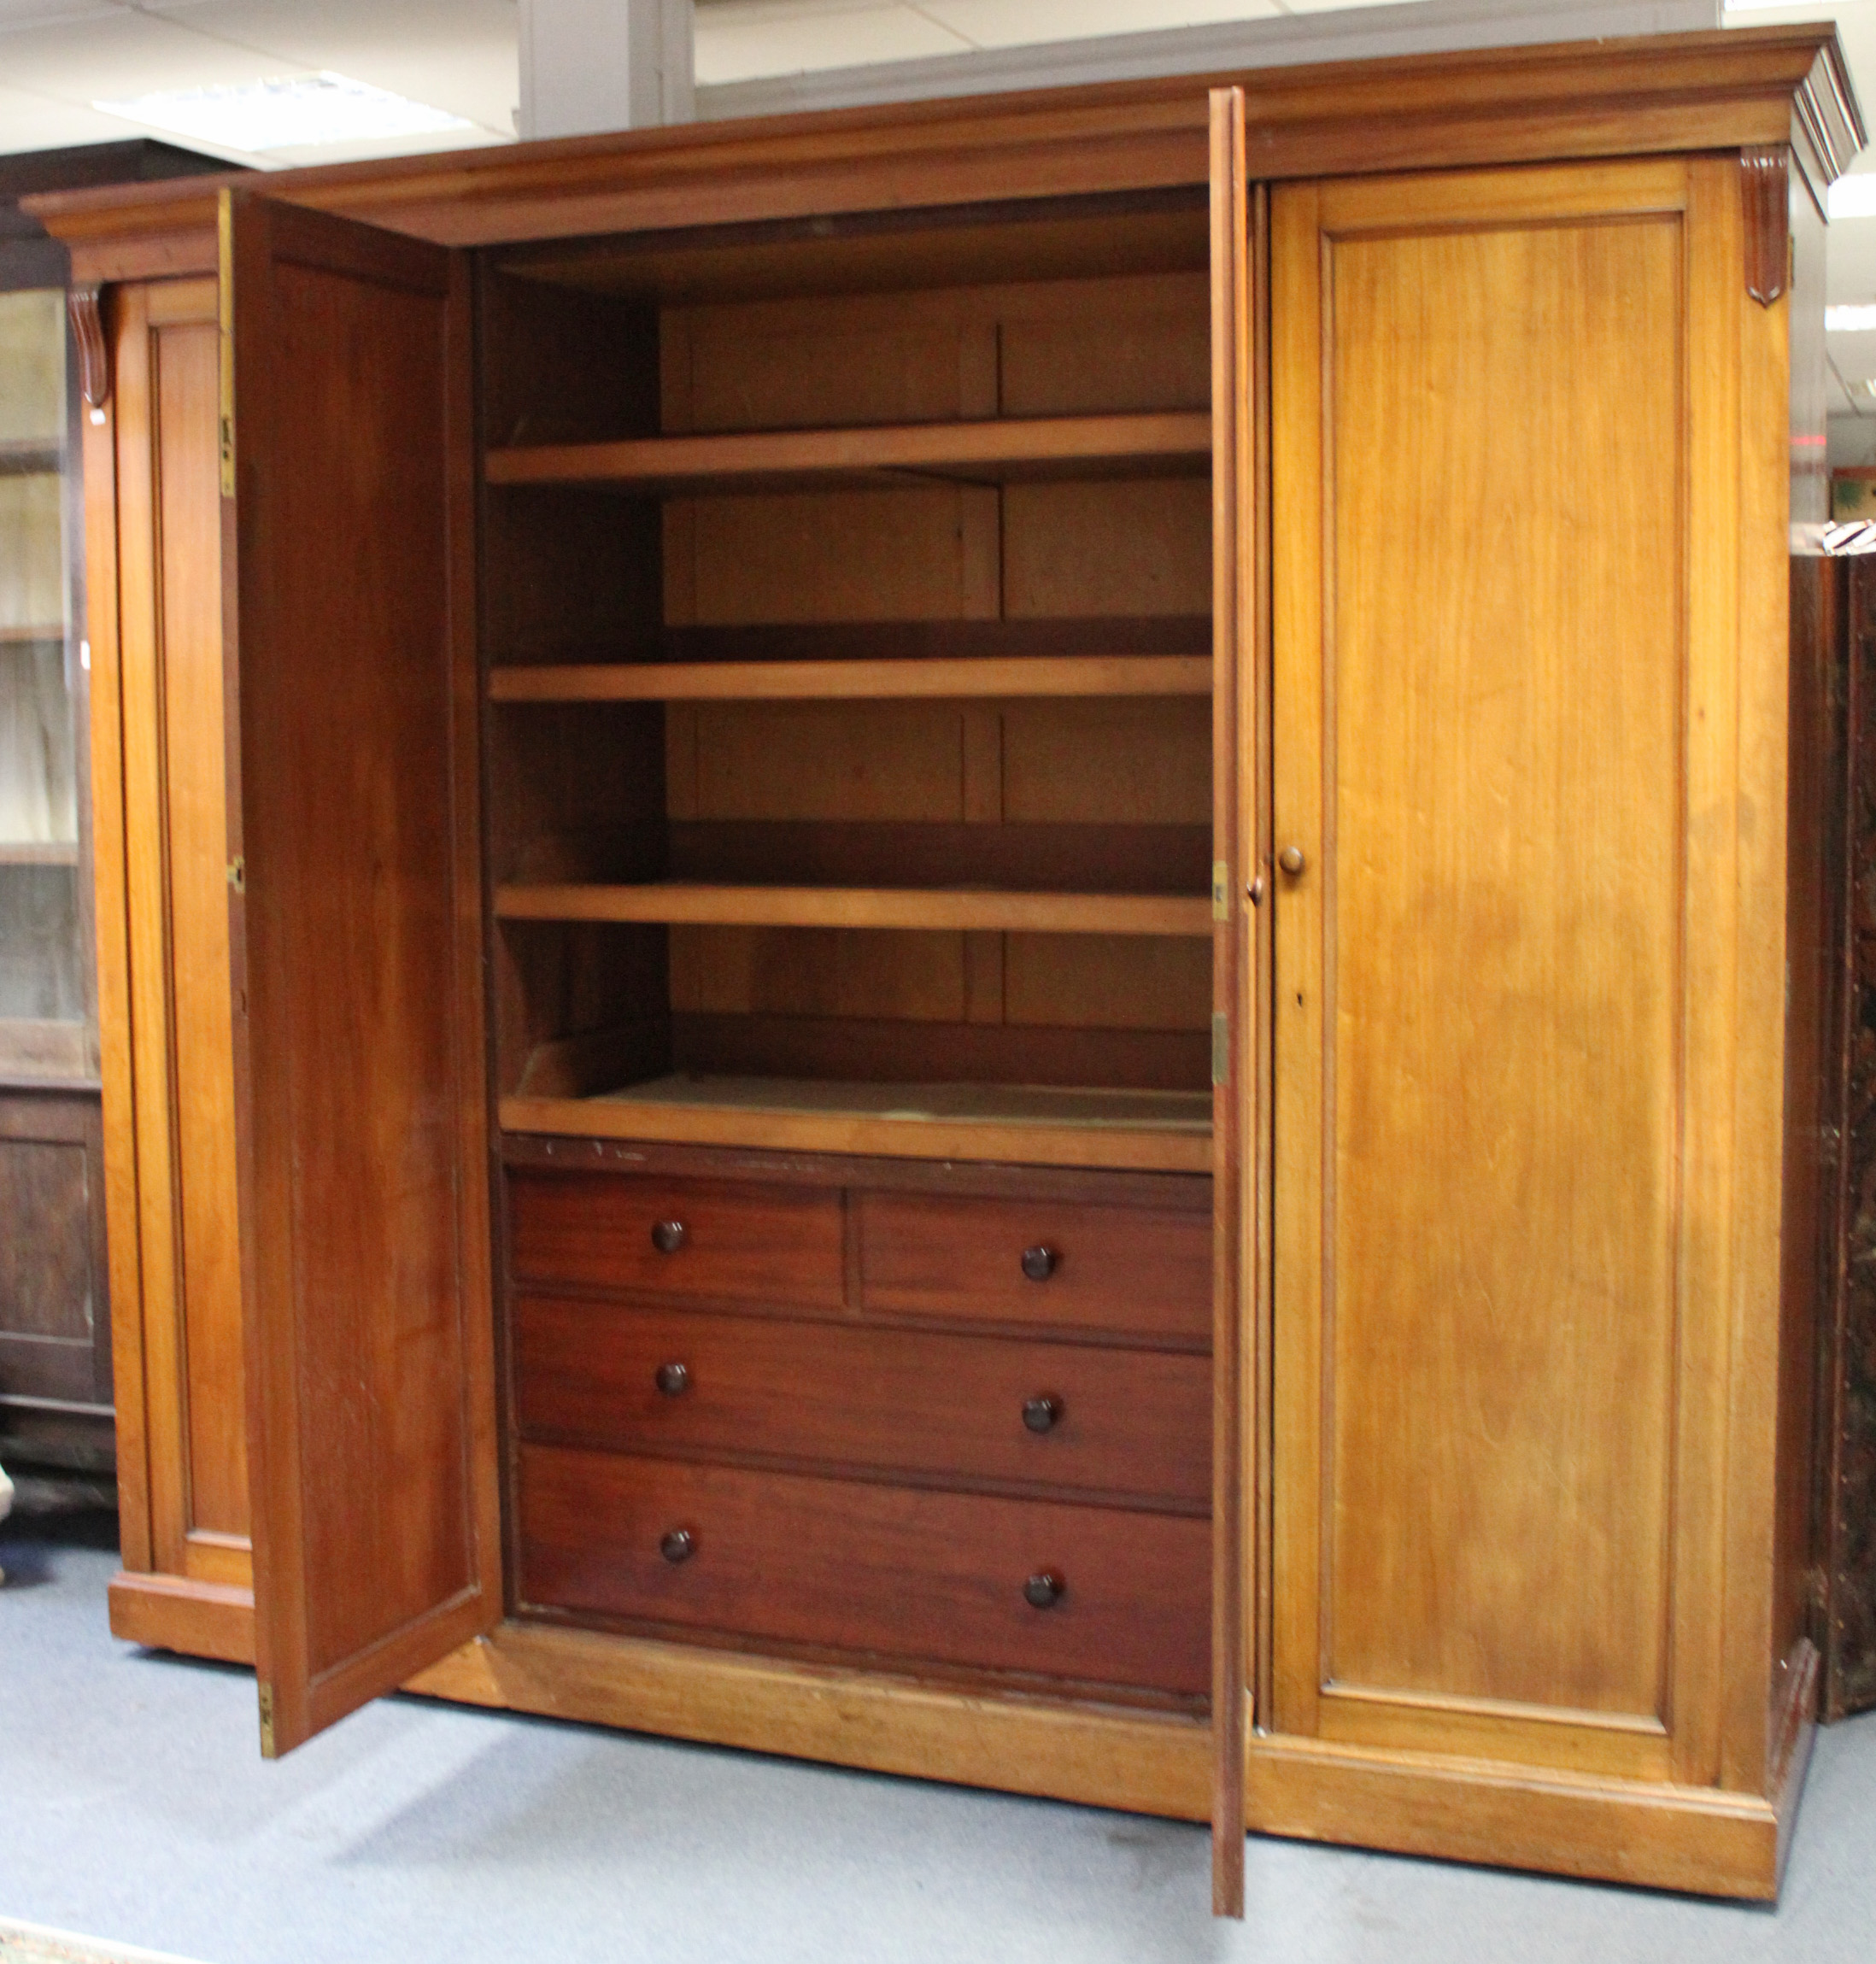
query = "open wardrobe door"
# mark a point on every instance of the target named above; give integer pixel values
(348, 542)
(1240, 1024)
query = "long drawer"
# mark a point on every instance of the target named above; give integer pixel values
(1052, 1263)
(1126, 1422)
(689, 1238)
(895, 1572)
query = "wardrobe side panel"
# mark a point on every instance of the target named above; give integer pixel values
(179, 1210)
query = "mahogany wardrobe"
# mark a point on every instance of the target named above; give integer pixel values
(981, 938)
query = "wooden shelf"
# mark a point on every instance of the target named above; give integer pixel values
(673, 902)
(53, 630)
(31, 457)
(1152, 1131)
(43, 1048)
(38, 853)
(1092, 675)
(986, 452)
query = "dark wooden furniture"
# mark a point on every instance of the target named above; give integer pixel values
(933, 814)
(1838, 616)
(55, 1322)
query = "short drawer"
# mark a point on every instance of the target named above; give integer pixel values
(1136, 1423)
(885, 1570)
(1056, 1265)
(689, 1238)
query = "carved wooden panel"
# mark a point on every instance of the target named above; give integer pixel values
(55, 1324)
(1849, 1393)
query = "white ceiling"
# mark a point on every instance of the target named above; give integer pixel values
(57, 58)
(738, 40)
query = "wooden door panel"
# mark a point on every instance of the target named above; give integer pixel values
(1481, 752)
(183, 372)
(1239, 373)
(1503, 880)
(176, 907)
(364, 1206)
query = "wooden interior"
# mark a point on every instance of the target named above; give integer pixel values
(876, 811)
(1124, 768)
(792, 862)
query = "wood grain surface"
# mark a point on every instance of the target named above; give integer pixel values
(738, 681)
(1605, 98)
(359, 1094)
(1114, 1268)
(775, 1244)
(1143, 1761)
(948, 1409)
(980, 451)
(897, 1572)
(677, 900)
(180, 1213)
(1481, 994)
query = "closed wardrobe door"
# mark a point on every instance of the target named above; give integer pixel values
(1502, 897)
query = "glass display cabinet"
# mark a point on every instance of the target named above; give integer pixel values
(48, 1028)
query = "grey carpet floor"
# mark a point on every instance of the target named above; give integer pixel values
(133, 1805)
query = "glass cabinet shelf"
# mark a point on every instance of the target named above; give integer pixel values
(46, 1020)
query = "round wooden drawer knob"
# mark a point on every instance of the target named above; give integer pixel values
(679, 1544)
(1038, 1263)
(667, 1236)
(1043, 1591)
(673, 1379)
(1042, 1414)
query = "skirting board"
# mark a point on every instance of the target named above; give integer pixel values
(1698, 1840)
(172, 1613)
(1694, 1839)
(1141, 1763)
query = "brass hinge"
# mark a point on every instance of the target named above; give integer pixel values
(266, 1722)
(237, 874)
(1221, 891)
(225, 229)
(1221, 1048)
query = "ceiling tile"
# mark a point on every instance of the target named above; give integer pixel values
(461, 55)
(36, 123)
(37, 13)
(736, 42)
(127, 54)
(1016, 23)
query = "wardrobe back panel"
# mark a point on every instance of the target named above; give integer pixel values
(1083, 549)
(844, 555)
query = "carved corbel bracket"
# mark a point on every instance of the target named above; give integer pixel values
(1766, 171)
(85, 306)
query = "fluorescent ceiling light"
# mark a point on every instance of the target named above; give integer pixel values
(1850, 319)
(1855, 197)
(284, 113)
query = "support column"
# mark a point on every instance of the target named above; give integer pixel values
(589, 66)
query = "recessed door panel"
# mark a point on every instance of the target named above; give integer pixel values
(358, 1057)
(1481, 767)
